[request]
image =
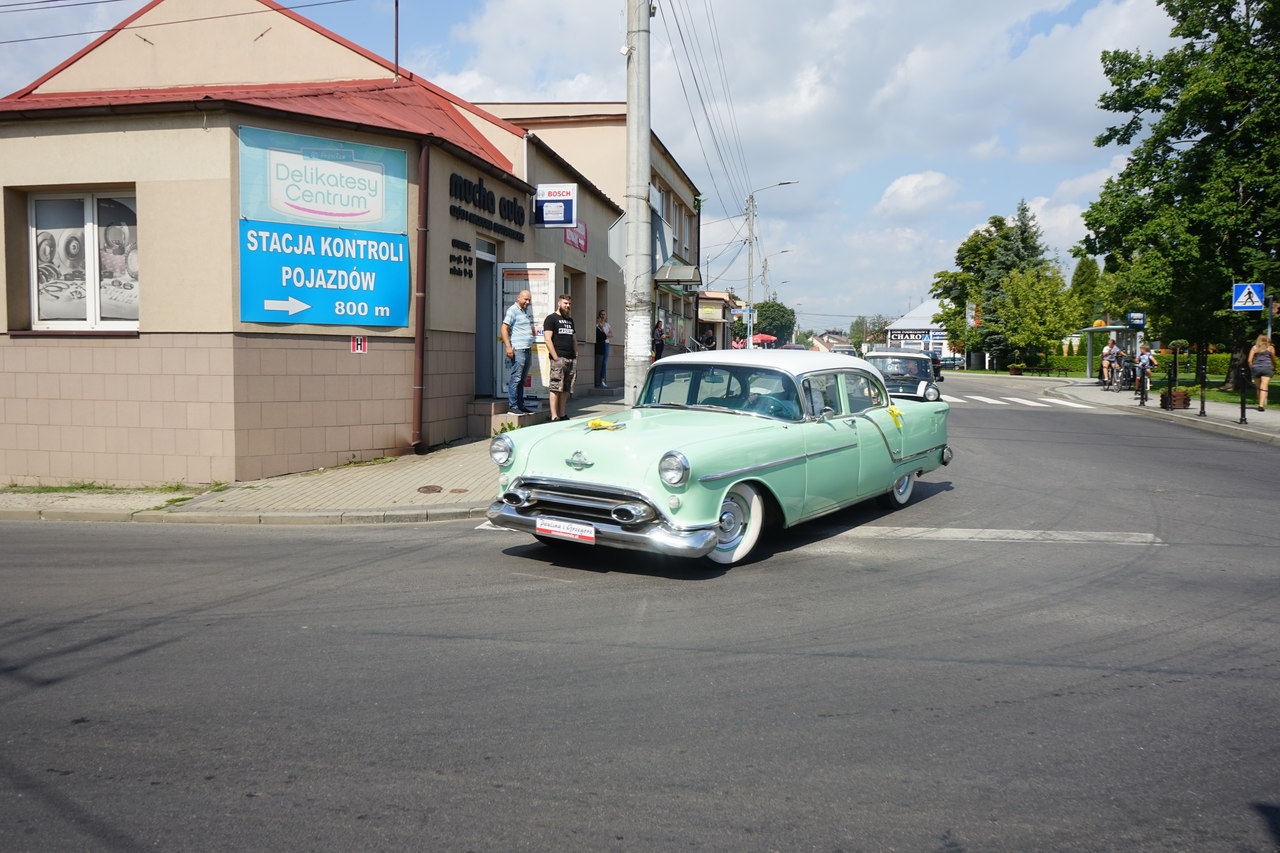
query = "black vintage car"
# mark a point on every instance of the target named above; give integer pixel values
(907, 373)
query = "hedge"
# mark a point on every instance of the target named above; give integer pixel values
(1218, 365)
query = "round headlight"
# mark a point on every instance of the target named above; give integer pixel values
(673, 468)
(501, 449)
(931, 393)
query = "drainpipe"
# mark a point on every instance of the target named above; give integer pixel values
(420, 297)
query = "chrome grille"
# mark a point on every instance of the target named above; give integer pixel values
(577, 501)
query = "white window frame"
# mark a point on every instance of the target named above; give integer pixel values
(92, 320)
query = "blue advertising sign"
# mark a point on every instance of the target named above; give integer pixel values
(309, 180)
(324, 276)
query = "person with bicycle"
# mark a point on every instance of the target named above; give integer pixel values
(1111, 355)
(1145, 364)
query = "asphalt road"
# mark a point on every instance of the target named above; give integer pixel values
(1068, 641)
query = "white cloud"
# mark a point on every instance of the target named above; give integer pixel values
(915, 194)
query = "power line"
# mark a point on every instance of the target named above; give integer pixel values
(6, 8)
(169, 23)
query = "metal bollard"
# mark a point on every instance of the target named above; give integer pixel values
(1246, 382)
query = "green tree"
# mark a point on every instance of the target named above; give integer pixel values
(774, 318)
(959, 291)
(1037, 312)
(1085, 296)
(1197, 207)
(1017, 248)
(971, 298)
(869, 329)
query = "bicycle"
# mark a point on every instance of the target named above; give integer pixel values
(1116, 377)
(1142, 389)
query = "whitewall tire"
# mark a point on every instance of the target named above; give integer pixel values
(900, 495)
(741, 518)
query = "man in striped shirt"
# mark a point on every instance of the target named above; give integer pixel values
(517, 339)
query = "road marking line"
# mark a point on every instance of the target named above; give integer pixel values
(960, 534)
(489, 525)
(1068, 403)
(947, 398)
(1027, 402)
(988, 400)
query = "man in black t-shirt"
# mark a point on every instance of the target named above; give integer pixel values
(562, 350)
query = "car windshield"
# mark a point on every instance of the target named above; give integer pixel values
(750, 390)
(892, 365)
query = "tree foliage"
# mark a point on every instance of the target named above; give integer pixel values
(1197, 207)
(1037, 313)
(984, 261)
(772, 318)
(869, 329)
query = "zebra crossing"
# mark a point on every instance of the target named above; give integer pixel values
(1038, 403)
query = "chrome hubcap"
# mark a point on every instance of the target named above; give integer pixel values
(731, 520)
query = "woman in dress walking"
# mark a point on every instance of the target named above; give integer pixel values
(1262, 364)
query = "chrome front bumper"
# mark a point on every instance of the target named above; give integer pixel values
(656, 537)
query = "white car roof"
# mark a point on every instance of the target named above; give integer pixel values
(792, 361)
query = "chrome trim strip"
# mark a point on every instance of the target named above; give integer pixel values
(830, 450)
(708, 478)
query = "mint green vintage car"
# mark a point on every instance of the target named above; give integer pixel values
(718, 444)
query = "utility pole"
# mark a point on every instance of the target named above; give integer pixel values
(751, 265)
(638, 274)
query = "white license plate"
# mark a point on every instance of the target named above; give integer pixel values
(575, 531)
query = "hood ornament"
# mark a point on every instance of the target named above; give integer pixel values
(578, 461)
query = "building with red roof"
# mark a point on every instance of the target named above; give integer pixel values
(236, 245)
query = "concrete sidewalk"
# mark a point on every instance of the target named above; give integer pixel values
(460, 481)
(1223, 418)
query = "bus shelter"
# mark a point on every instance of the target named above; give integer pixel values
(1126, 337)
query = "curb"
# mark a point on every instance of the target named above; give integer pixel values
(414, 515)
(1241, 431)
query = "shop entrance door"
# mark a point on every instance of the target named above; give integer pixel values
(511, 279)
(488, 323)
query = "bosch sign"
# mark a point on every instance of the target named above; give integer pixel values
(555, 206)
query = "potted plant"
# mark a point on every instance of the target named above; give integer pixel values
(1177, 397)
(1016, 369)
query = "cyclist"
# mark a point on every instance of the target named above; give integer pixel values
(1145, 364)
(1111, 355)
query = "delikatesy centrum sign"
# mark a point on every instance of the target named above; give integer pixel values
(324, 276)
(308, 180)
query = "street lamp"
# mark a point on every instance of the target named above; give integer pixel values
(751, 266)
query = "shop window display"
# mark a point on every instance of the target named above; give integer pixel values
(85, 261)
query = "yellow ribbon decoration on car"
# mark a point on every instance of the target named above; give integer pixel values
(597, 423)
(896, 414)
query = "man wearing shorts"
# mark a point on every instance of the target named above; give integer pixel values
(562, 350)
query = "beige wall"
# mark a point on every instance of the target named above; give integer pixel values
(196, 408)
(180, 171)
(222, 42)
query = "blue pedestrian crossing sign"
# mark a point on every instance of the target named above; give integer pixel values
(1247, 297)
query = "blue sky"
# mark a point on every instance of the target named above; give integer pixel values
(906, 124)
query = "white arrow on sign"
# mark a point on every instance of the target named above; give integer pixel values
(293, 306)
